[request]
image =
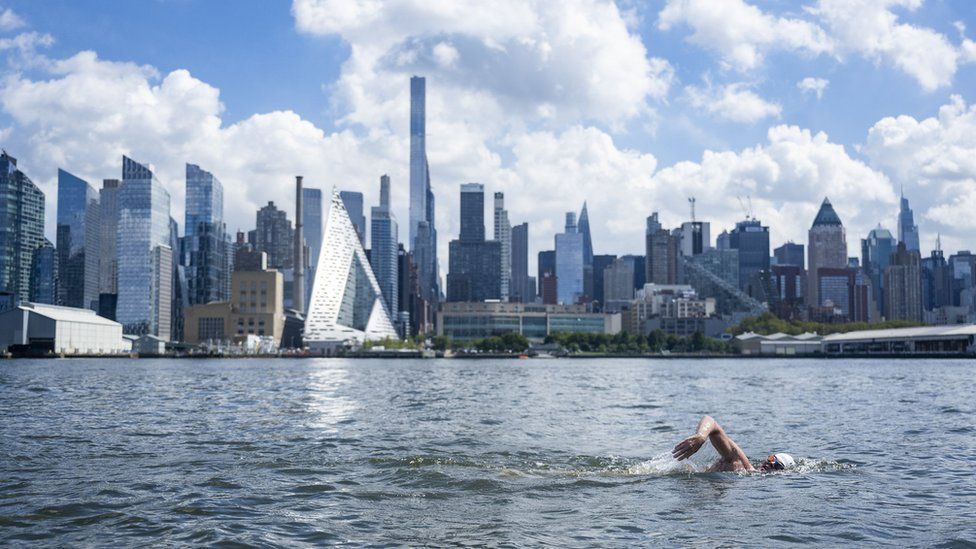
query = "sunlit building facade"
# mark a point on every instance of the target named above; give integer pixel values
(21, 227)
(78, 239)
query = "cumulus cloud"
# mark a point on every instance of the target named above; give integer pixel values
(816, 86)
(732, 102)
(10, 21)
(935, 161)
(741, 34)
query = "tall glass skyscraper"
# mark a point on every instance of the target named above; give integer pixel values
(876, 252)
(44, 278)
(78, 239)
(108, 264)
(474, 264)
(312, 231)
(569, 262)
(21, 227)
(383, 248)
(751, 238)
(521, 287)
(205, 243)
(472, 213)
(907, 229)
(422, 231)
(144, 253)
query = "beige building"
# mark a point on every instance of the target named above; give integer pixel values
(257, 308)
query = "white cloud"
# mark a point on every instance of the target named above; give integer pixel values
(816, 86)
(935, 160)
(741, 33)
(445, 54)
(732, 102)
(10, 21)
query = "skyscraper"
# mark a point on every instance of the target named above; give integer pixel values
(312, 221)
(423, 231)
(907, 229)
(383, 248)
(569, 262)
(503, 234)
(44, 276)
(936, 282)
(695, 238)
(661, 248)
(145, 258)
(346, 300)
(546, 267)
(583, 226)
(826, 248)
(790, 254)
(205, 242)
(21, 227)
(876, 252)
(521, 289)
(108, 264)
(353, 201)
(275, 236)
(751, 238)
(600, 263)
(903, 285)
(474, 268)
(77, 242)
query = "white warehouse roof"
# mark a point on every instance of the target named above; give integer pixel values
(918, 332)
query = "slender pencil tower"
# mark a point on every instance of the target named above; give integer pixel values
(298, 284)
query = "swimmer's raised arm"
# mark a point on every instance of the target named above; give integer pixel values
(709, 429)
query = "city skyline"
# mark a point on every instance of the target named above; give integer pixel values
(566, 151)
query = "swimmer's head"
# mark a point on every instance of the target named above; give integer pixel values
(778, 462)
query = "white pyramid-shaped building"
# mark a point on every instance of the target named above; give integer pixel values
(346, 303)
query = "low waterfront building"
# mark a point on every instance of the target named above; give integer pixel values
(34, 328)
(779, 344)
(947, 340)
(462, 321)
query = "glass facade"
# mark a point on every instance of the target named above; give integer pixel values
(383, 248)
(751, 238)
(569, 263)
(44, 274)
(21, 227)
(108, 209)
(78, 236)
(144, 274)
(353, 202)
(312, 231)
(205, 244)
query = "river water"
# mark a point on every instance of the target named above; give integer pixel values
(495, 452)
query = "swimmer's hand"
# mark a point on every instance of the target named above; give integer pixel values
(687, 447)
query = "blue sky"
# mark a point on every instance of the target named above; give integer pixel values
(633, 107)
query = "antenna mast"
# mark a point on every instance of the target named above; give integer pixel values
(691, 201)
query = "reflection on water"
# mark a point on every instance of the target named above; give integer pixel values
(327, 406)
(562, 452)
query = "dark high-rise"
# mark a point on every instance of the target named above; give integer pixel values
(936, 282)
(21, 227)
(546, 265)
(751, 238)
(205, 242)
(662, 249)
(77, 242)
(791, 254)
(474, 264)
(422, 229)
(383, 248)
(521, 288)
(353, 202)
(274, 236)
(903, 285)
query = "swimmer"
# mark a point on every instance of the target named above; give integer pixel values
(732, 457)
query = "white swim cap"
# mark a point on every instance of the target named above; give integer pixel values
(786, 459)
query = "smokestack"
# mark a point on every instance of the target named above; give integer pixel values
(298, 284)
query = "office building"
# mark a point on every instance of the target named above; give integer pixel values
(145, 259)
(936, 280)
(474, 264)
(44, 274)
(790, 254)
(503, 235)
(583, 226)
(546, 264)
(353, 201)
(662, 249)
(826, 249)
(751, 239)
(275, 236)
(569, 263)
(600, 263)
(312, 222)
(21, 227)
(347, 304)
(836, 294)
(108, 262)
(77, 242)
(789, 283)
(522, 289)
(205, 242)
(876, 251)
(384, 256)
(903, 285)
(907, 229)
(618, 284)
(695, 238)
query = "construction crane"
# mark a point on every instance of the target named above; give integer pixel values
(691, 200)
(747, 211)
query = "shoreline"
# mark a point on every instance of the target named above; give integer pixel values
(511, 356)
